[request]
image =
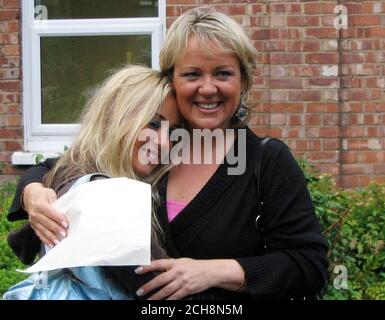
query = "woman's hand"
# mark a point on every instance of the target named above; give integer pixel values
(49, 224)
(183, 277)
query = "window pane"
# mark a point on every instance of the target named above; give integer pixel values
(73, 66)
(93, 9)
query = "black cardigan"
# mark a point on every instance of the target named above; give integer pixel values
(219, 223)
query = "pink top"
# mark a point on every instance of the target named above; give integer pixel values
(174, 208)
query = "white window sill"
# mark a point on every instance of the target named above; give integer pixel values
(21, 158)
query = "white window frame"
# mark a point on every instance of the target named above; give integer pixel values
(53, 138)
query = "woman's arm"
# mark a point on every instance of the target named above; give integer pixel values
(34, 174)
(184, 277)
(296, 264)
(45, 223)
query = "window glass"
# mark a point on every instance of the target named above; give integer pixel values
(73, 66)
(94, 9)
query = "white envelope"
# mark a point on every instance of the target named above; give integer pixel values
(109, 225)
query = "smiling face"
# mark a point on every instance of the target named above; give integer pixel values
(151, 150)
(208, 86)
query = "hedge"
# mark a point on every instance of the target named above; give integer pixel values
(353, 222)
(8, 261)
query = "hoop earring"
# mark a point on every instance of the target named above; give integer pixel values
(241, 113)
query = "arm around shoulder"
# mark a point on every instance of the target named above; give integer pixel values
(33, 174)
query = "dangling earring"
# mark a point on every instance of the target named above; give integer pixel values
(241, 112)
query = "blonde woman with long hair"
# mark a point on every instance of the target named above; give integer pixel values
(107, 144)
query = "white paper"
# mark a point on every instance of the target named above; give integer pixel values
(109, 225)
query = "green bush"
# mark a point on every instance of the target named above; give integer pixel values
(8, 261)
(353, 223)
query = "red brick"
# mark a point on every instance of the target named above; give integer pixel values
(295, 120)
(375, 32)
(328, 21)
(233, 9)
(373, 157)
(304, 71)
(378, 169)
(329, 132)
(11, 50)
(9, 86)
(285, 58)
(305, 95)
(322, 107)
(293, 45)
(374, 132)
(355, 181)
(330, 144)
(352, 57)
(354, 95)
(302, 21)
(291, 33)
(12, 121)
(364, 20)
(323, 82)
(294, 133)
(287, 107)
(356, 169)
(265, 34)
(312, 45)
(353, 132)
(285, 83)
(8, 38)
(322, 33)
(173, 11)
(373, 7)
(323, 157)
(10, 133)
(7, 15)
(11, 4)
(322, 58)
(256, 8)
(319, 7)
(277, 8)
(295, 8)
(353, 7)
(12, 146)
(274, 46)
(374, 106)
(313, 120)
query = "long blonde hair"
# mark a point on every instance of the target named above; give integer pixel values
(208, 25)
(110, 124)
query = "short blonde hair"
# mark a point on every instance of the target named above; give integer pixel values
(207, 25)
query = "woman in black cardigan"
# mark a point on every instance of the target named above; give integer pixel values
(212, 234)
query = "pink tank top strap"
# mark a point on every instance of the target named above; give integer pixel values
(174, 208)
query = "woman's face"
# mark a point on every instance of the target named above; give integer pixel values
(208, 87)
(149, 150)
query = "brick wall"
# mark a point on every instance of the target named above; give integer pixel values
(11, 131)
(318, 88)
